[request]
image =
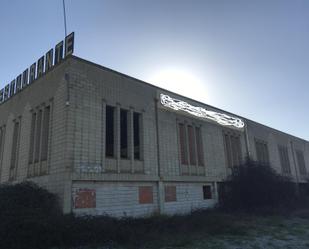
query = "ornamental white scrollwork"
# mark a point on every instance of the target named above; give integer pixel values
(220, 118)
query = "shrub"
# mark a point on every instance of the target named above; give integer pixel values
(253, 186)
(28, 215)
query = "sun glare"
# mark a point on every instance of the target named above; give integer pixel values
(180, 81)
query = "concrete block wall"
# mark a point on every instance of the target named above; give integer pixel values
(274, 138)
(189, 197)
(215, 164)
(117, 199)
(122, 198)
(78, 92)
(92, 88)
(50, 89)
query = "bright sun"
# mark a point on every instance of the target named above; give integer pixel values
(180, 81)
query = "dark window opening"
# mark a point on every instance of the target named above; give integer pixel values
(300, 161)
(45, 134)
(38, 138)
(192, 145)
(284, 159)
(136, 136)
(183, 144)
(14, 154)
(228, 150)
(109, 132)
(232, 149)
(262, 152)
(207, 192)
(31, 149)
(170, 193)
(200, 156)
(123, 133)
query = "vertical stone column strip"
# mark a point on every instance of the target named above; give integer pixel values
(41, 139)
(131, 139)
(247, 141)
(232, 150)
(117, 133)
(142, 138)
(30, 172)
(187, 146)
(215, 191)
(18, 146)
(178, 148)
(161, 196)
(50, 135)
(195, 150)
(34, 169)
(2, 149)
(295, 167)
(103, 137)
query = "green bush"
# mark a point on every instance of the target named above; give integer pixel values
(253, 186)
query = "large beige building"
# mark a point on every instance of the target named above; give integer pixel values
(108, 143)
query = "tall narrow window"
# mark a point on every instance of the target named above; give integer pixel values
(38, 137)
(301, 162)
(109, 132)
(14, 153)
(261, 151)
(136, 135)
(191, 145)
(183, 144)
(284, 159)
(45, 133)
(32, 132)
(233, 149)
(39, 141)
(123, 133)
(199, 143)
(228, 148)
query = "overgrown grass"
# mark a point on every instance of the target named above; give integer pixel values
(30, 217)
(156, 230)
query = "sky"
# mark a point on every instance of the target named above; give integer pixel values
(247, 57)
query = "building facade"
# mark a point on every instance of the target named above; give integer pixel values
(107, 143)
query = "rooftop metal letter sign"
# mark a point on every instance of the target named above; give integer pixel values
(220, 118)
(39, 68)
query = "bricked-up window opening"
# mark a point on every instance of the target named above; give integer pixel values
(136, 136)
(262, 152)
(109, 132)
(14, 154)
(207, 192)
(183, 144)
(284, 159)
(38, 137)
(191, 145)
(199, 143)
(45, 133)
(85, 198)
(170, 193)
(232, 149)
(300, 162)
(32, 133)
(145, 194)
(123, 133)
